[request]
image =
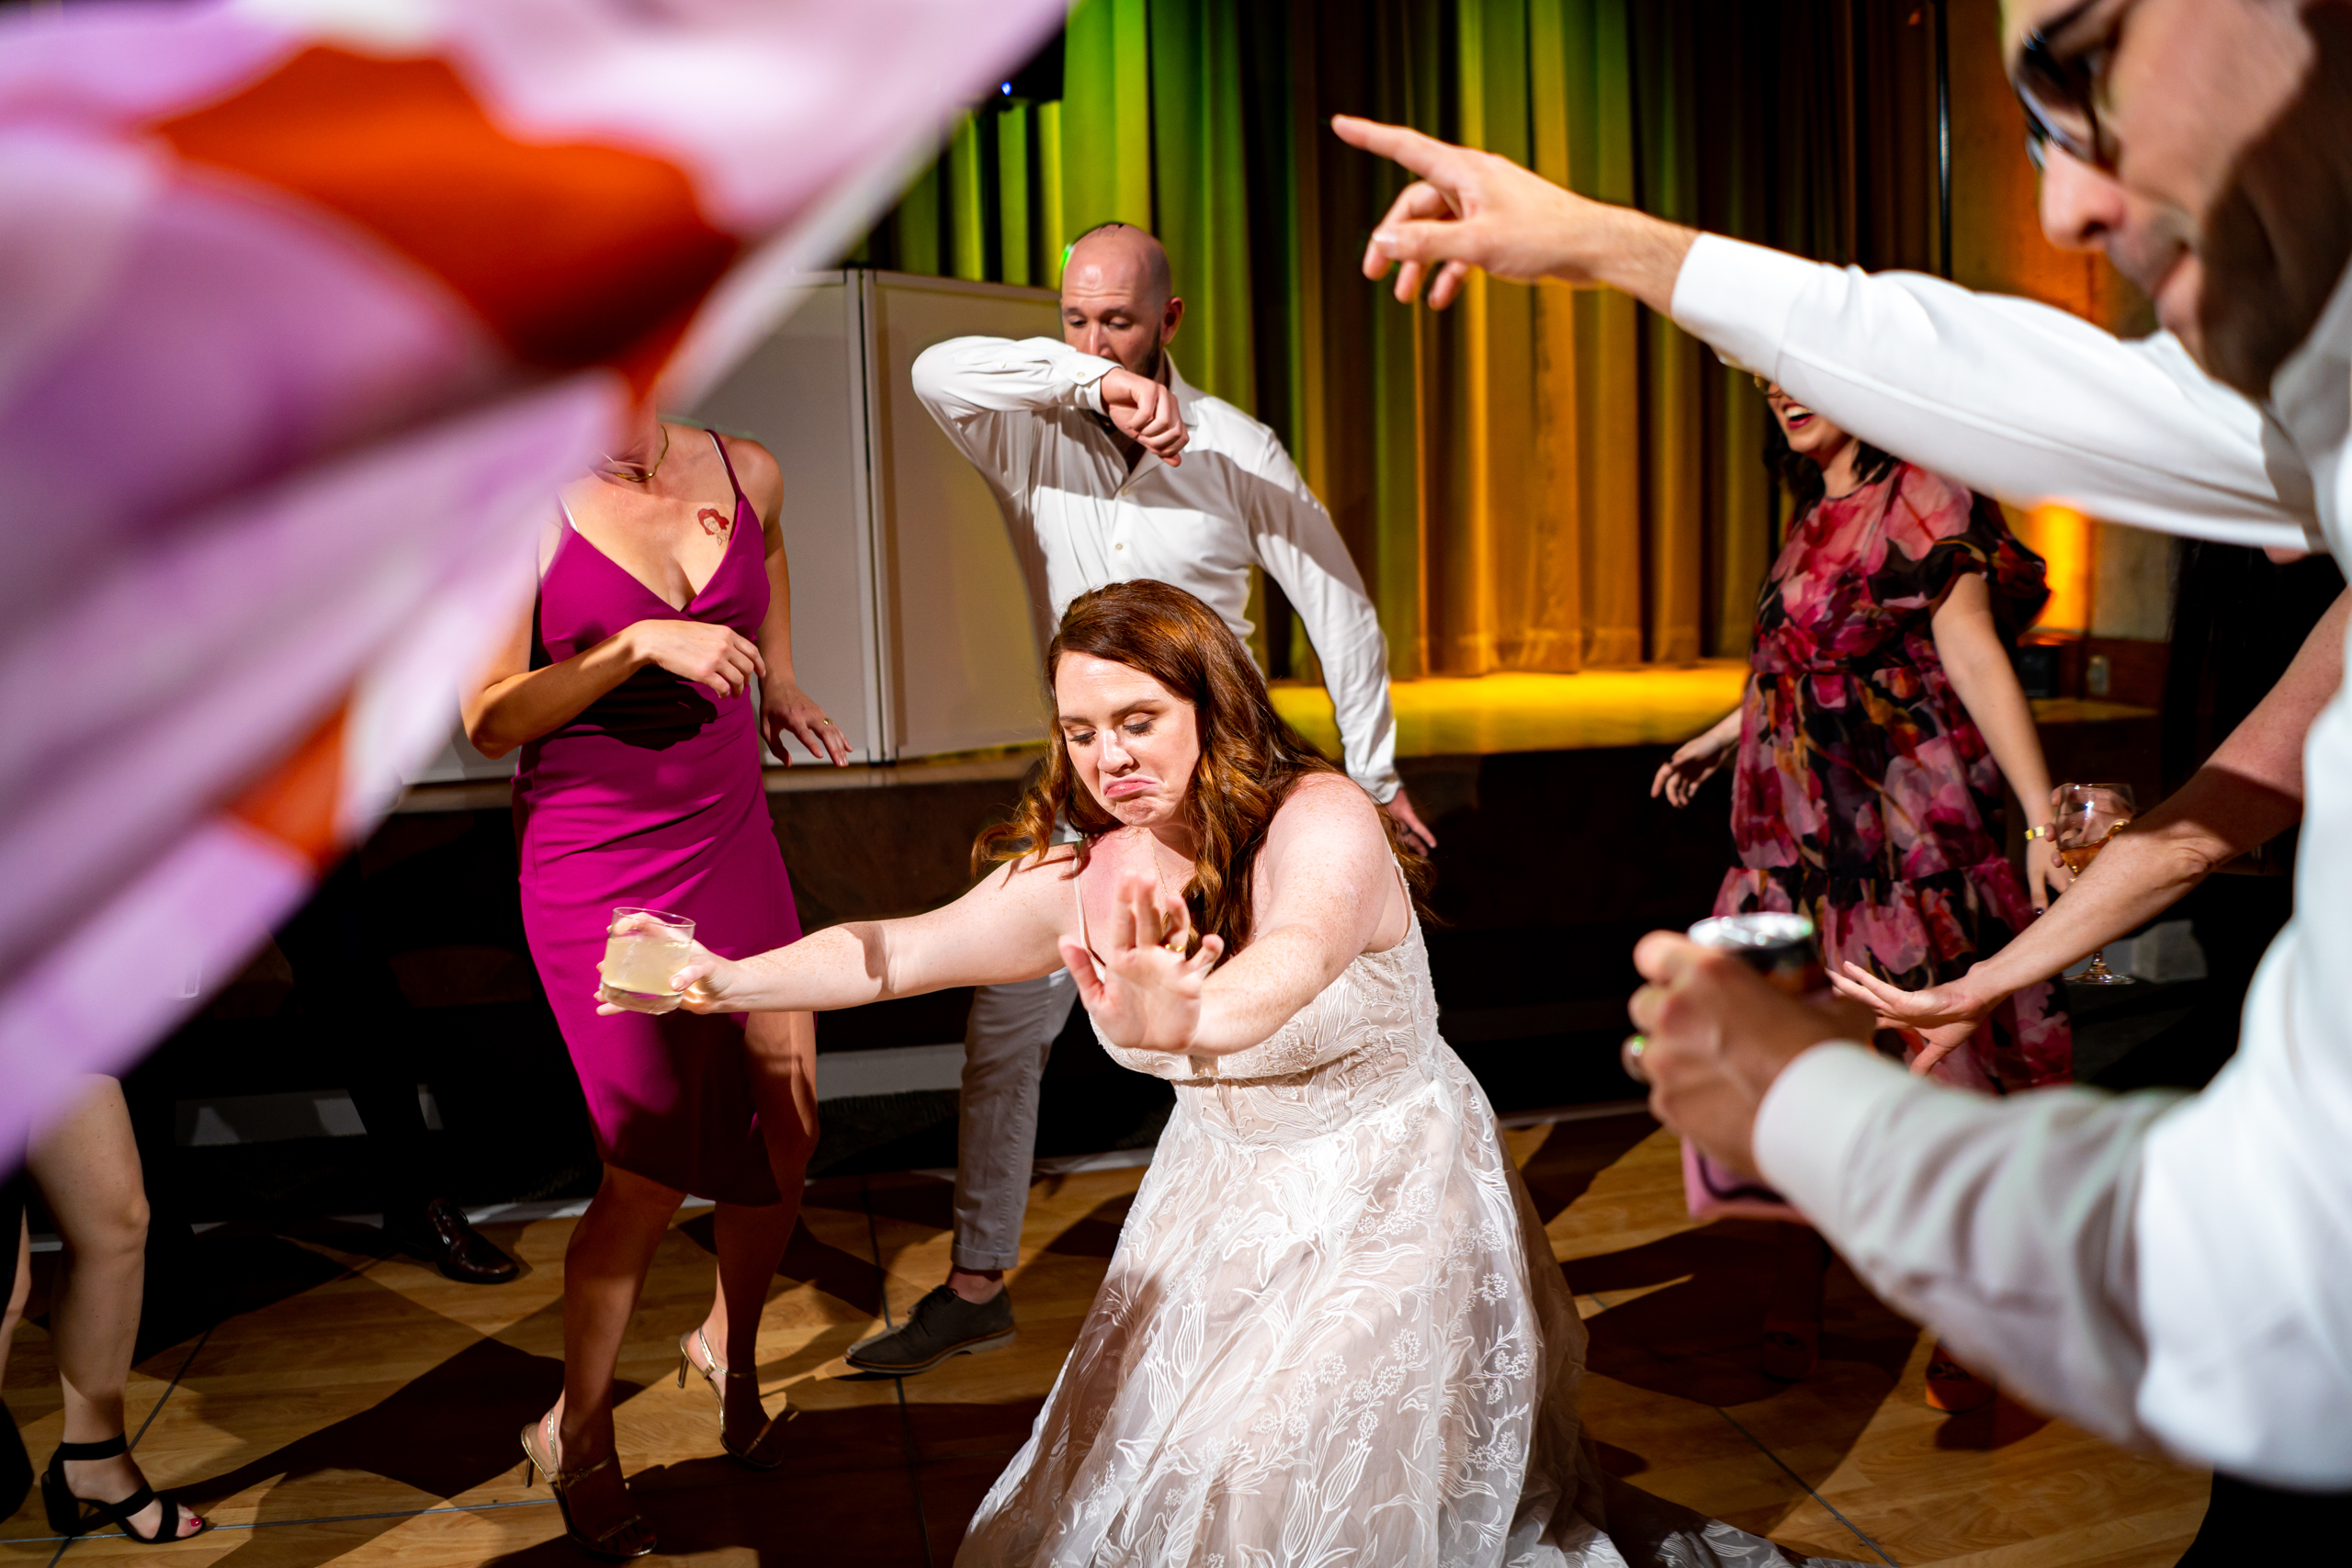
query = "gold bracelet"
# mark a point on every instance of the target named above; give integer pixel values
(2044, 831)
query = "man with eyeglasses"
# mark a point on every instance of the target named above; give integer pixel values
(2165, 1272)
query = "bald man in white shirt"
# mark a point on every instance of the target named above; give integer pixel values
(2174, 1273)
(1108, 467)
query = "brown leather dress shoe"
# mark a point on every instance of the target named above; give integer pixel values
(444, 1237)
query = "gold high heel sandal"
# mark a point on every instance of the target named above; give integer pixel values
(752, 1454)
(632, 1536)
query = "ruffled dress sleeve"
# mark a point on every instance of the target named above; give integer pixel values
(1936, 530)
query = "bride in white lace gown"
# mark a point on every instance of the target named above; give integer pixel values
(1333, 1332)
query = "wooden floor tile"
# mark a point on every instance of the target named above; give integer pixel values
(363, 1410)
(1858, 1449)
(2001, 1485)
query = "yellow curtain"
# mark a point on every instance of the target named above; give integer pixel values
(1540, 479)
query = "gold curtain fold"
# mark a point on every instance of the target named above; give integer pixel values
(1540, 479)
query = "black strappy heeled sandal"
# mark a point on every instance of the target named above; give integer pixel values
(71, 1516)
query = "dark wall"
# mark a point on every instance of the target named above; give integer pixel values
(1549, 866)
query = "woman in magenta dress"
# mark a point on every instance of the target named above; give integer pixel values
(663, 593)
(1881, 719)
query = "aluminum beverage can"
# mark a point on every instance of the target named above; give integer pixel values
(1779, 947)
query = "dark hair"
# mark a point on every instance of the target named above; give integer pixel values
(1802, 476)
(1250, 760)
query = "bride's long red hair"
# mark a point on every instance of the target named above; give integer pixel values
(1249, 759)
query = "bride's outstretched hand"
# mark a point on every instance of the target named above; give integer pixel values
(706, 983)
(1143, 991)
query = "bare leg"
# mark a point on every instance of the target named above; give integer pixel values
(975, 1284)
(19, 1292)
(16, 1237)
(782, 1049)
(603, 1272)
(87, 1167)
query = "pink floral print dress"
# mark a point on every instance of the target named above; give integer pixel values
(1864, 795)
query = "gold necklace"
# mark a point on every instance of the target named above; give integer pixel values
(1177, 943)
(647, 477)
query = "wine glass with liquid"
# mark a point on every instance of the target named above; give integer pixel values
(2089, 815)
(643, 948)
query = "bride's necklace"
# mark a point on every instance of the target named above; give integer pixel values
(1174, 943)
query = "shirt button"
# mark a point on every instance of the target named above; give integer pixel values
(1118, 546)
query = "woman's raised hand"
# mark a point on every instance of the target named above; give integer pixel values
(1140, 987)
(695, 650)
(1944, 1016)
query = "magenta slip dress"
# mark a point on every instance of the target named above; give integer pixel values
(651, 796)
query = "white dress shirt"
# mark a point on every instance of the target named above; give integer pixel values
(1027, 414)
(2160, 1268)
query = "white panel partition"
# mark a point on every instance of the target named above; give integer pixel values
(959, 641)
(801, 394)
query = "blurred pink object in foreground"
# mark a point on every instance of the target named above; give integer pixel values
(306, 309)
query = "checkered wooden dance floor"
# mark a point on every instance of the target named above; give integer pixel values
(364, 1411)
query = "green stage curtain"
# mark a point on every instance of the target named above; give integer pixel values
(1540, 477)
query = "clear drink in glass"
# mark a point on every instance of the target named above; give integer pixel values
(643, 948)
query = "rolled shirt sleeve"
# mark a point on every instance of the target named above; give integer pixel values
(2012, 398)
(1300, 549)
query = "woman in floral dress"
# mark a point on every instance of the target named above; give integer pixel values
(1881, 719)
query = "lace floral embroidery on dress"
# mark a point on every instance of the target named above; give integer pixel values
(1332, 1336)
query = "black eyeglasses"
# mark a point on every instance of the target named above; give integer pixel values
(2061, 93)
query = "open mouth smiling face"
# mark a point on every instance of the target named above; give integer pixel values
(1806, 430)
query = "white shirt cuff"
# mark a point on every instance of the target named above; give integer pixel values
(1814, 1113)
(1738, 297)
(1085, 372)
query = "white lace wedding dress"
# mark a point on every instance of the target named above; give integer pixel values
(1332, 1333)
